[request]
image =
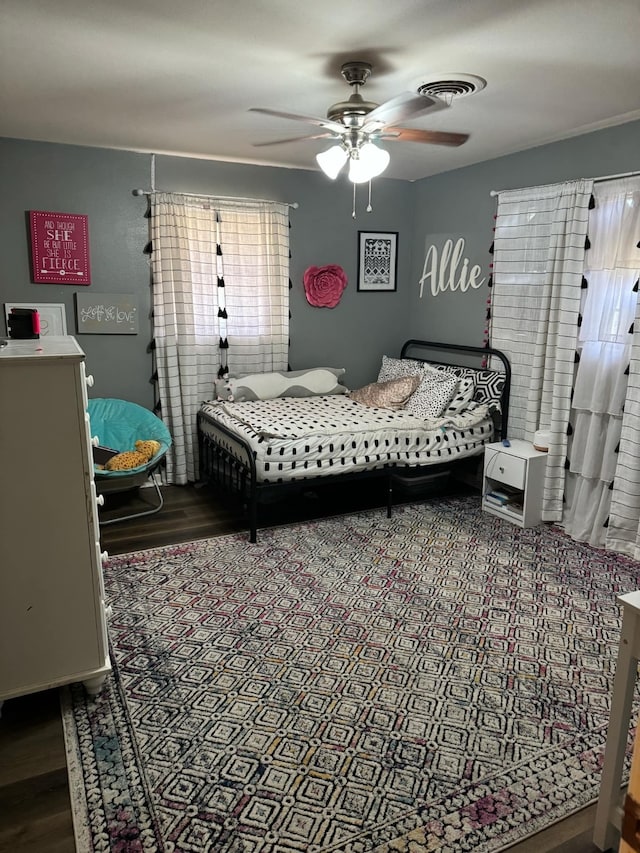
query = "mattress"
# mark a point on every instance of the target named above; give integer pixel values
(298, 438)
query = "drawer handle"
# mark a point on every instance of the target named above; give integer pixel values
(100, 500)
(104, 556)
(89, 380)
(95, 441)
(501, 470)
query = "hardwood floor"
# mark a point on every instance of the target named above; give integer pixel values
(35, 812)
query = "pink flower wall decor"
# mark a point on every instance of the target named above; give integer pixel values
(323, 286)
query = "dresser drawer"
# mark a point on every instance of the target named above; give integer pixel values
(506, 468)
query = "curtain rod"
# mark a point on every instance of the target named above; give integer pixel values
(599, 180)
(139, 192)
(613, 177)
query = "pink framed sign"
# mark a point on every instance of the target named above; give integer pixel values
(59, 248)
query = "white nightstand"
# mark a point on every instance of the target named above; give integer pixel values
(517, 473)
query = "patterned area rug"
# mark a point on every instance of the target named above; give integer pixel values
(438, 681)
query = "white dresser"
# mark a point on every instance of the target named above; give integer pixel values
(52, 613)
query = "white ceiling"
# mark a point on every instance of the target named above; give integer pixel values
(179, 76)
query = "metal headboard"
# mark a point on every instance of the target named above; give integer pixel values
(476, 352)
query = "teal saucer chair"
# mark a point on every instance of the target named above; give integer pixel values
(118, 424)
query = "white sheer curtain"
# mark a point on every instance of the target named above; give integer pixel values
(608, 310)
(220, 301)
(539, 250)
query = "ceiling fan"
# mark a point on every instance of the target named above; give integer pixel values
(356, 125)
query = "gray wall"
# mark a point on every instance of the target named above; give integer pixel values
(37, 176)
(99, 183)
(459, 204)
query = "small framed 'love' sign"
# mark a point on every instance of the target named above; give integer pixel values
(59, 248)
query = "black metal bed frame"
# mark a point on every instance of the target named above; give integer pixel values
(228, 462)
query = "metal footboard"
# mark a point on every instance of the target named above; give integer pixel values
(228, 463)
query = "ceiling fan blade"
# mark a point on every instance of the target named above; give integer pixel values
(431, 137)
(321, 122)
(407, 105)
(296, 139)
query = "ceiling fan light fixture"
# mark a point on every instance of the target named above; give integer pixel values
(367, 162)
(332, 160)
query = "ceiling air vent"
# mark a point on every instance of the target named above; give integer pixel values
(450, 86)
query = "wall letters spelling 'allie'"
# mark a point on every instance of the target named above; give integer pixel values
(444, 274)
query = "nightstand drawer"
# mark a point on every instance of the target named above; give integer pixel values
(506, 468)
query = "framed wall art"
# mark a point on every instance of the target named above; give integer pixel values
(106, 313)
(377, 260)
(59, 248)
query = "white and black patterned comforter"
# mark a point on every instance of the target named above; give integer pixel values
(297, 438)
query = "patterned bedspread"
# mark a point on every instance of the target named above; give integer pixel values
(296, 438)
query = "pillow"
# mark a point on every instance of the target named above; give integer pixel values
(465, 389)
(489, 385)
(432, 395)
(291, 383)
(394, 368)
(462, 396)
(460, 372)
(392, 394)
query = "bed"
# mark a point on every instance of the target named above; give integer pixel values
(306, 428)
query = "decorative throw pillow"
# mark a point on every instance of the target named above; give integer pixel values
(489, 385)
(392, 394)
(291, 383)
(462, 396)
(394, 368)
(432, 395)
(467, 390)
(460, 372)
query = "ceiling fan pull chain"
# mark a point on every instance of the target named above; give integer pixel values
(369, 208)
(353, 210)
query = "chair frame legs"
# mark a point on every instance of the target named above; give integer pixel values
(151, 511)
